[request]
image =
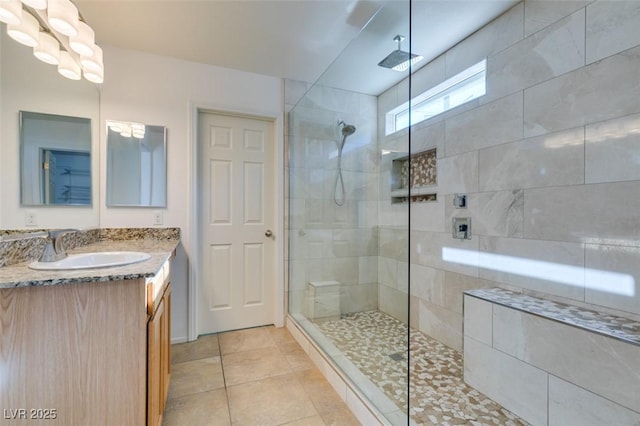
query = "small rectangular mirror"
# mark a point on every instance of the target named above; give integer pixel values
(136, 165)
(55, 167)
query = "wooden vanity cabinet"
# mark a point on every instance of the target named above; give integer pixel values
(92, 353)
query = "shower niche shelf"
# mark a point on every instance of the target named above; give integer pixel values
(414, 180)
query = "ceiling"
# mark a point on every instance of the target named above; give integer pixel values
(295, 39)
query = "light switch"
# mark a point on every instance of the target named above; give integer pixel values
(30, 219)
(157, 217)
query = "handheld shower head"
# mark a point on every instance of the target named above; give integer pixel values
(347, 129)
(339, 191)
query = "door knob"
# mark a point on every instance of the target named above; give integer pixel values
(268, 234)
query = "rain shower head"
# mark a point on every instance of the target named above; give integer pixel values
(399, 60)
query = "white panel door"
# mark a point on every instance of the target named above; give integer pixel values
(237, 194)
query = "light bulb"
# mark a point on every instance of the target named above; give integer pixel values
(26, 32)
(93, 62)
(36, 4)
(68, 67)
(94, 76)
(63, 17)
(10, 12)
(83, 43)
(48, 49)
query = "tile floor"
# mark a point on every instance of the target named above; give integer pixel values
(258, 376)
(376, 344)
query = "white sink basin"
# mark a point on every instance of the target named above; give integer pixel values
(92, 260)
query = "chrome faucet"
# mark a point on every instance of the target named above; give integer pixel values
(54, 250)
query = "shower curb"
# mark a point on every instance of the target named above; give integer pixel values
(361, 407)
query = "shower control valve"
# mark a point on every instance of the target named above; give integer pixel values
(462, 228)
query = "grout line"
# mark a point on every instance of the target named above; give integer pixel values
(224, 378)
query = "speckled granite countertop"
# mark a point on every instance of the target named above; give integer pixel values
(20, 275)
(620, 328)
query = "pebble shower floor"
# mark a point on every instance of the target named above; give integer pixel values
(376, 343)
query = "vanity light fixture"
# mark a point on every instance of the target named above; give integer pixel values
(58, 35)
(36, 4)
(92, 62)
(63, 17)
(10, 12)
(48, 49)
(127, 130)
(84, 43)
(68, 67)
(26, 32)
(137, 130)
(116, 126)
(94, 76)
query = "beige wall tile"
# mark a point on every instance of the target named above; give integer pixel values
(550, 160)
(587, 95)
(441, 324)
(611, 28)
(490, 124)
(478, 320)
(424, 281)
(599, 364)
(539, 14)
(546, 266)
(612, 277)
(548, 53)
(429, 216)
(570, 404)
(498, 35)
(393, 302)
(516, 385)
(458, 174)
(442, 251)
(602, 213)
(611, 150)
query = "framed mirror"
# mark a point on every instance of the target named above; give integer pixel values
(136, 165)
(55, 166)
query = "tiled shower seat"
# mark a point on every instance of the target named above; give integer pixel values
(552, 363)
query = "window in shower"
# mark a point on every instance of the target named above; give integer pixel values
(466, 86)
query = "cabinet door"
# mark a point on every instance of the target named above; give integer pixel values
(154, 360)
(165, 347)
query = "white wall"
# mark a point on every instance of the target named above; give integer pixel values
(157, 90)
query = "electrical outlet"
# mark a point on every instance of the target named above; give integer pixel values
(157, 217)
(30, 219)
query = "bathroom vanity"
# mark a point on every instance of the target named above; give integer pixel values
(87, 347)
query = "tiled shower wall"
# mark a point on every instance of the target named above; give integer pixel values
(328, 242)
(549, 159)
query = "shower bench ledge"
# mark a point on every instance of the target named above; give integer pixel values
(551, 362)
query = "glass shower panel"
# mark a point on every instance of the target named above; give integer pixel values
(348, 236)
